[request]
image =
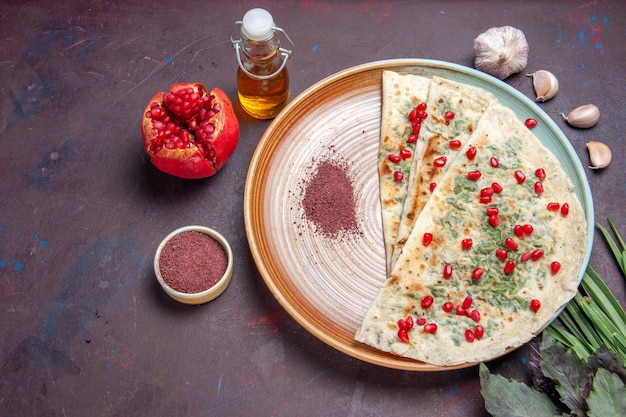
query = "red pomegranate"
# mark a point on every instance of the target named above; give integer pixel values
(188, 131)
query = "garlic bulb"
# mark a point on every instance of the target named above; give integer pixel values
(599, 154)
(501, 51)
(583, 116)
(545, 84)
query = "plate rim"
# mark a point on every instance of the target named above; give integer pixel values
(268, 143)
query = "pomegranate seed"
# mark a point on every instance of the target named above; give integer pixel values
(421, 107)
(565, 209)
(440, 162)
(477, 273)
(526, 256)
(539, 187)
(497, 188)
(475, 315)
(494, 220)
(486, 191)
(416, 129)
(413, 114)
(492, 211)
(494, 162)
(403, 336)
(485, 199)
(509, 267)
(402, 325)
(518, 230)
(501, 254)
(398, 176)
(535, 305)
(460, 311)
(471, 153)
(423, 115)
(427, 301)
(536, 254)
(432, 186)
(510, 243)
(447, 271)
(448, 306)
(466, 244)
(430, 328)
(528, 229)
(454, 144)
(394, 158)
(427, 239)
(421, 321)
(479, 331)
(412, 138)
(205, 130)
(520, 177)
(467, 302)
(474, 175)
(469, 335)
(449, 115)
(540, 173)
(405, 153)
(530, 123)
(553, 206)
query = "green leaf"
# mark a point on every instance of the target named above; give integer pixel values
(510, 398)
(608, 395)
(595, 288)
(609, 360)
(616, 233)
(569, 372)
(619, 345)
(578, 346)
(617, 253)
(583, 324)
(608, 332)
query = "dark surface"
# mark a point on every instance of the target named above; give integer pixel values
(85, 327)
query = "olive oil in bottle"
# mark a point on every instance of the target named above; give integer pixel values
(262, 76)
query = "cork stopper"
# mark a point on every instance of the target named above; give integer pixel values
(258, 25)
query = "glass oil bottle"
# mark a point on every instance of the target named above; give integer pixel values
(262, 76)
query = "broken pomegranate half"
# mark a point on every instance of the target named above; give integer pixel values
(188, 131)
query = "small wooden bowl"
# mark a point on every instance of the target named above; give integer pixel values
(211, 292)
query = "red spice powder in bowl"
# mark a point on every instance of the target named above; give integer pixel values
(194, 264)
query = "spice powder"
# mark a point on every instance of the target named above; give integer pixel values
(329, 200)
(192, 261)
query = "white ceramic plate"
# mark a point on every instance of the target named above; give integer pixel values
(327, 284)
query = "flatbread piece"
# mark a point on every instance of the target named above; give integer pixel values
(507, 164)
(454, 110)
(400, 95)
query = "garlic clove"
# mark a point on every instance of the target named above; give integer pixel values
(545, 84)
(583, 116)
(501, 51)
(599, 154)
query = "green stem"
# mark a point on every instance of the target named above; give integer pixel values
(617, 252)
(595, 288)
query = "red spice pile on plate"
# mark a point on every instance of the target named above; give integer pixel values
(329, 199)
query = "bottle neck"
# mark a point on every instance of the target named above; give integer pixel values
(260, 50)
